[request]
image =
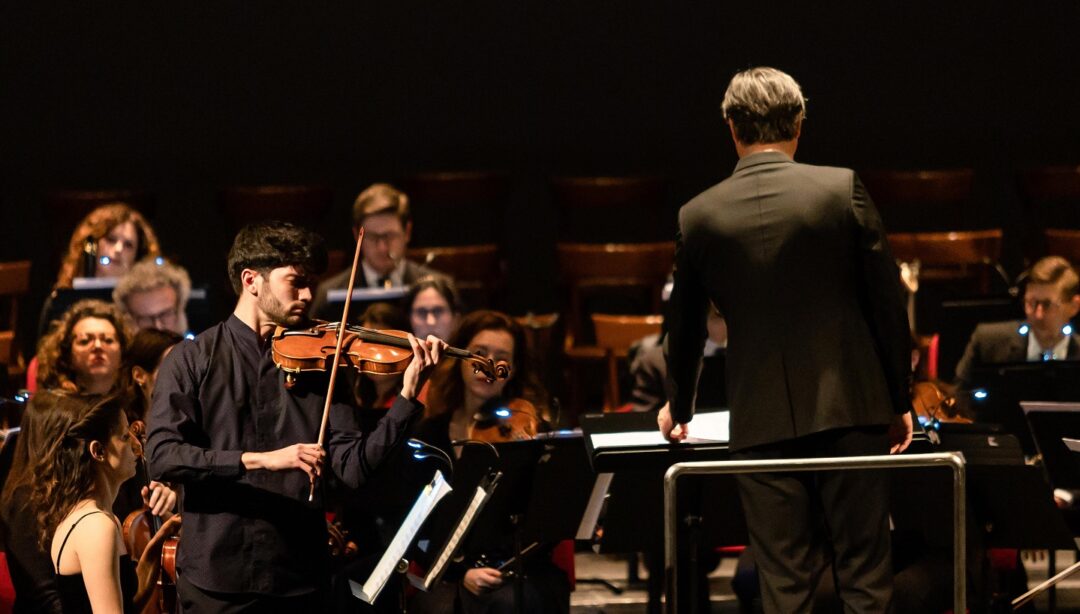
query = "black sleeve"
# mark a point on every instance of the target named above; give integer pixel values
(175, 429)
(31, 570)
(685, 342)
(884, 299)
(972, 358)
(354, 455)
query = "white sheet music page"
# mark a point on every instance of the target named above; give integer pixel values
(477, 502)
(709, 427)
(429, 497)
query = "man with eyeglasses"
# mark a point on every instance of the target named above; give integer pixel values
(383, 211)
(1051, 301)
(154, 294)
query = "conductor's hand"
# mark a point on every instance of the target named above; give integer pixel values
(900, 433)
(307, 457)
(426, 354)
(482, 579)
(668, 428)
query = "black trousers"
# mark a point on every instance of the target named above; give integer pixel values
(800, 522)
(195, 600)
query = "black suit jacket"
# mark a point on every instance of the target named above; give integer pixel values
(999, 342)
(413, 271)
(795, 257)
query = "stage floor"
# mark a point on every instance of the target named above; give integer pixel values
(595, 599)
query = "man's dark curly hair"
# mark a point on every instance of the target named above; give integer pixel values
(265, 246)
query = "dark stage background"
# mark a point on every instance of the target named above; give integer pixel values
(181, 99)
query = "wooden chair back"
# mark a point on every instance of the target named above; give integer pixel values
(1063, 242)
(598, 209)
(615, 334)
(542, 332)
(1051, 197)
(14, 284)
(457, 208)
(587, 269)
(921, 200)
(302, 204)
(476, 269)
(971, 255)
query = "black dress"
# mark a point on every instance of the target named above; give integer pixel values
(72, 588)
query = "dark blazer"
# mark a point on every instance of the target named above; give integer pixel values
(413, 271)
(1000, 342)
(795, 257)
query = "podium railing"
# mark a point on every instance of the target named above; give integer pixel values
(952, 460)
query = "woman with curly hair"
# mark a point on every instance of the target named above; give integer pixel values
(111, 239)
(86, 457)
(83, 351)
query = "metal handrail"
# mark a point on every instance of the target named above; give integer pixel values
(954, 460)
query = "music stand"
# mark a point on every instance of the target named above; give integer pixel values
(959, 317)
(997, 390)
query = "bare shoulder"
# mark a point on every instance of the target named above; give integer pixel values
(86, 537)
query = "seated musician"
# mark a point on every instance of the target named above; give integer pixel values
(383, 211)
(155, 295)
(82, 352)
(85, 455)
(106, 243)
(649, 370)
(1051, 300)
(433, 306)
(455, 398)
(227, 424)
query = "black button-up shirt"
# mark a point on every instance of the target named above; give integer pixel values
(253, 532)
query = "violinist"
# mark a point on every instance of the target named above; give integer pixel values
(433, 306)
(86, 455)
(457, 398)
(241, 438)
(383, 211)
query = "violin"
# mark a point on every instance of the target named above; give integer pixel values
(139, 528)
(934, 404)
(380, 352)
(517, 420)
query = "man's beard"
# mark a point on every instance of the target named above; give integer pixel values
(278, 313)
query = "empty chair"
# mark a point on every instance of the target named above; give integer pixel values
(14, 284)
(922, 200)
(302, 204)
(1063, 242)
(457, 208)
(67, 207)
(1051, 198)
(476, 269)
(599, 209)
(614, 335)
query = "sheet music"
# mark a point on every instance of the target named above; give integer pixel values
(471, 512)
(709, 427)
(1072, 444)
(429, 497)
(596, 503)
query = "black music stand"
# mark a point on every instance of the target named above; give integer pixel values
(959, 317)
(997, 390)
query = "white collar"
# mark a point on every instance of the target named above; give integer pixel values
(397, 276)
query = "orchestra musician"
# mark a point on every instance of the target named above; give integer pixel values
(1051, 300)
(86, 455)
(456, 398)
(434, 306)
(224, 425)
(155, 295)
(383, 211)
(82, 353)
(818, 359)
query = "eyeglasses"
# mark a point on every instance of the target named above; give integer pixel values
(1033, 304)
(384, 237)
(161, 319)
(423, 313)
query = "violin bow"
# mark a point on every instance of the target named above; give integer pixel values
(337, 352)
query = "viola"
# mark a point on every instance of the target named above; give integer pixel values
(380, 352)
(139, 528)
(517, 420)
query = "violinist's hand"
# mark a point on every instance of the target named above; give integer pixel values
(149, 566)
(668, 428)
(900, 432)
(307, 457)
(426, 355)
(160, 499)
(482, 579)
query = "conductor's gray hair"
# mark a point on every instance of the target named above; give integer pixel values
(765, 104)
